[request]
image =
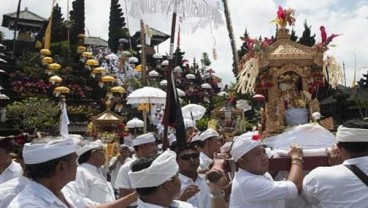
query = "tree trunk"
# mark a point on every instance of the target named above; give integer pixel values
(231, 36)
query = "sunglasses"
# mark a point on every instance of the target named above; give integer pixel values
(188, 156)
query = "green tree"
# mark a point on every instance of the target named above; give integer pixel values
(34, 115)
(293, 36)
(116, 25)
(58, 31)
(77, 18)
(205, 60)
(178, 57)
(243, 49)
(306, 38)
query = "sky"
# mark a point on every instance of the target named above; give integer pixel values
(349, 18)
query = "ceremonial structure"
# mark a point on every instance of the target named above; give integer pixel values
(285, 76)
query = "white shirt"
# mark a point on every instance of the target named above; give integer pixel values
(35, 195)
(337, 186)
(260, 191)
(90, 183)
(174, 204)
(204, 161)
(12, 171)
(115, 171)
(202, 198)
(10, 189)
(122, 180)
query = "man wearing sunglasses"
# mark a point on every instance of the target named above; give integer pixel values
(194, 188)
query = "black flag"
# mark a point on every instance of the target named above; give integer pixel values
(172, 115)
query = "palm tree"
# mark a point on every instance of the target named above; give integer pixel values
(231, 36)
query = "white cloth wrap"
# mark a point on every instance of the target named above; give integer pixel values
(39, 153)
(144, 139)
(162, 169)
(243, 144)
(345, 134)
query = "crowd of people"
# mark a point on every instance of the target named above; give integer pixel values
(65, 172)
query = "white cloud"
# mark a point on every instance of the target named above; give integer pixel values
(337, 16)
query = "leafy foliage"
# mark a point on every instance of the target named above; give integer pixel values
(34, 114)
(293, 36)
(77, 18)
(58, 29)
(116, 25)
(307, 39)
(205, 60)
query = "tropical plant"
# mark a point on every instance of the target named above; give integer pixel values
(33, 114)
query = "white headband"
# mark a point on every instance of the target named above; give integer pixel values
(345, 134)
(162, 169)
(43, 152)
(243, 144)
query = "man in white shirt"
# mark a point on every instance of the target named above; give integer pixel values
(144, 146)
(253, 186)
(156, 181)
(50, 165)
(8, 168)
(209, 142)
(90, 182)
(194, 188)
(338, 186)
(117, 161)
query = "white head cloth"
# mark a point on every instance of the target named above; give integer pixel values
(243, 144)
(143, 139)
(90, 146)
(43, 152)
(345, 134)
(162, 169)
(208, 134)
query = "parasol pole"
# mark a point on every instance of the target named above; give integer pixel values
(168, 75)
(143, 63)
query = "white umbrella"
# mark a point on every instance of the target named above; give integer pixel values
(133, 60)
(135, 123)
(147, 95)
(2, 60)
(3, 97)
(2, 71)
(153, 73)
(190, 76)
(1, 87)
(178, 69)
(193, 111)
(243, 104)
(157, 56)
(111, 56)
(180, 92)
(206, 86)
(165, 63)
(222, 93)
(163, 82)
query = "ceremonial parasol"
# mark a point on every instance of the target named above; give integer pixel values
(193, 111)
(135, 123)
(180, 92)
(149, 95)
